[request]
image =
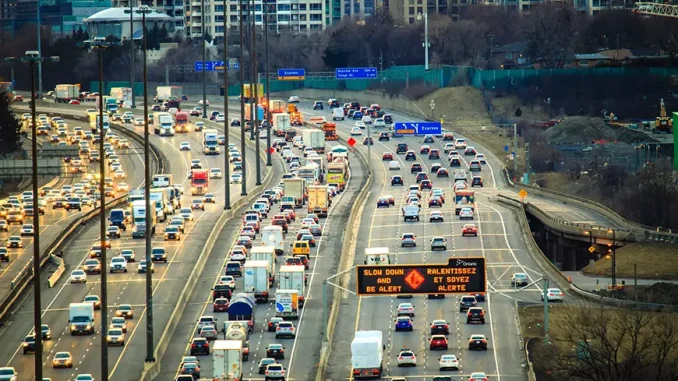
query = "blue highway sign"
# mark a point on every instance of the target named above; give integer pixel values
(355, 72)
(418, 128)
(215, 65)
(291, 74)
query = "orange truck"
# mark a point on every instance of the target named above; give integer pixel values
(296, 119)
(330, 131)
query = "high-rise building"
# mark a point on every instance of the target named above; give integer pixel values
(172, 8)
(63, 16)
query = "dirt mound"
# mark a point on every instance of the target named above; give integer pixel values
(579, 130)
(461, 106)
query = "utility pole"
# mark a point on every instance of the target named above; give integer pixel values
(132, 50)
(268, 92)
(242, 100)
(227, 164)
(255, 91)
(204, 58)
(40, 50)
(515, 149)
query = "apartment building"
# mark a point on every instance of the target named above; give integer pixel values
(172, 8)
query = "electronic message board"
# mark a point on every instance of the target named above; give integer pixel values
(460, 275)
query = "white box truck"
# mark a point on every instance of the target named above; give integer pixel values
(122, 94)
(162, 180)
(338, 113)
(210, 142)
(315, 139)
(367, 354)
(287, 304)
(81, 318)
(163, 124)
(281, 123)
(166, 93)
(66, 93)
(377, 256)
(257, 281)
(265, 253)
(294, 187)
(139, 219)
(318, 200)
(227, 360)
(272, 235)
(293, 278)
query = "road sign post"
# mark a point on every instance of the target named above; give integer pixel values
(433, 106)
(355, 73)
(418, 128)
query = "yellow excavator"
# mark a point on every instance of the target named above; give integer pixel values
(663, 123)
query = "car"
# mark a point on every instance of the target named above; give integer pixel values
(405, 309)
(424, 149)
(187, 214)
(519, 279)
(428, 138)
(440, 327)
(196, 164)
(158, 254)
(294, 99)
(200, 346)
(403, 323)
(436, 216)
(433, 201)
(92, 266)
(470, 151)
(382, 201)
(185, 146)
(276, 351)
(477, 341)
(209, 198)
(466, 213)
(368, 141)
(28, 345)
(27, 229)
(122, 187)
(273, 323)
(357, 115)
(442, 172)
(475, 315)
(408, 239)
(356, 131)
(553, 295)
(274, 372)
(437, 342)
(190, 368)
(316, 230)
(125, 310)
(236, 178)
(397, 180)
(415, 168)
(119, 322)
(438, 243)
(118, 264)
(220, 305)
(172, 232)
(467, 302)
(94, 300)
(386, 156)
(460, 144)
(128, 254)
(62, 360)
(235, 122)
(84, 377)
(469, 229)
(448, 362)
(285, 329)
(406, 357)
(215, 173)
(410, 155)
(209, 332)
(115, 336)
(78, 276)
(113, 232)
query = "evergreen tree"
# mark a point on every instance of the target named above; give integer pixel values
(10, 127)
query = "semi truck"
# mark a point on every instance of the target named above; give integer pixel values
(162, 205)
(293, 278)
(294, 187)
(121, 94)
(227, 360)
(287, 304)
(181, 122)
(315, 139)
(265, 253)
(110, 105)
(210, 142)
(377, 256)
(163, 124)
(281, 123)
(367, 354)
(256, 276)
(139, 227)
(318, 200)
(168, 93)
(66, 93)
(94, 122)
(81, 318)
(239, 331)
(199, 182)
(248, 112)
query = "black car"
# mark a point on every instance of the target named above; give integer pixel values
(467, 302)
(477, 342)
(477, 181)
(213, 115)
(158, 254)
(29, 344)
(221, 291)
(397, 180)
(401, 148)
(440, 327)
(4, 254)
(200, 346)
(428, 139)
(410, 155)
(415, 168)
(475, 315)
(318, 105)
(384, 136)
(455, 162)
(368, 141)
(275, 351)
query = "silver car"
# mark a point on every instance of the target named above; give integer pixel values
(438, 243)
(209, 332)
(408, 239)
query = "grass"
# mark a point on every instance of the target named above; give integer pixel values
(508, 105)
(652, 260)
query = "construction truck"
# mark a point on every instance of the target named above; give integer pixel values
(663, 123)
(296, 118)
(330, 131)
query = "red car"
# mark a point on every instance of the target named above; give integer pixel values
(426, 184)
(434, 202)
(387, 156)
(220, 305)
(438, 342)
(424, 149)
(442, 172)
(18, 98)
(74, 102)
(469, 229)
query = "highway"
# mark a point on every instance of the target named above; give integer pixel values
(303, 351)
(125, 363)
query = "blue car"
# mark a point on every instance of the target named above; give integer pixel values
(382, 202)
(403, 323)
(358, 116)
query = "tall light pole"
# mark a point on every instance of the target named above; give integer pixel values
(227, 164)
(242, 101)
(131, 40)
(268, 91)
(613, 251)
(39, 17)
(253, 113)
(255, 80)
(204, 58)
(31, 58)
(425, 44)
(143, 10)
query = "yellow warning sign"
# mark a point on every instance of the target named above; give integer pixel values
(592, 249)
(522, 193)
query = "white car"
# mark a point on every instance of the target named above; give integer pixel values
(356, 131)
(466, 214)
(448, 148)
(119, 174)
(138, 121)
(8, 373)
(228, 280)
(198, 126)
(448, 362)
(236, 178)
(78, 276)
(407, 357)
(405, 309)
(393, 165)
(215, 173)
(294, 99)
(186, 214)
(206, 101)
(184, 146)
(460, 144)
(123, 187)
(481, 158)
(27, 229)
(436, 216)
(478, 376)
(115, 336)
(553, 295)
(220, 118)
(118, 264)
(360, 124)
(379, 122)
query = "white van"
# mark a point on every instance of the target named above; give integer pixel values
(411, 212)
(338, 113)
(273, 236)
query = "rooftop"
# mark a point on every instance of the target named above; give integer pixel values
(118, 15)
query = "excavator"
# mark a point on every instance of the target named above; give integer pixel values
(663, 123)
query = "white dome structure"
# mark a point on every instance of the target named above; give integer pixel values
(115, 22)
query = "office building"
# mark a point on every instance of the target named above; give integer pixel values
(172, 8)
(63, 16)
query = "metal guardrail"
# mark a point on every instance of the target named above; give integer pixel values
(25, 276)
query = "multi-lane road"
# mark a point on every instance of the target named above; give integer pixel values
(126, 362)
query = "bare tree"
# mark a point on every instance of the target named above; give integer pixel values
(550, 32)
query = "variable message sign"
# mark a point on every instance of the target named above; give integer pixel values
(462, 275)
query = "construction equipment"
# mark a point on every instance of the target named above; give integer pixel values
(330, 131)
(663, 123)
(296, 119)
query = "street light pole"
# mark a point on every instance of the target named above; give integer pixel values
(204, 58)
(614, 259)
(227, 164)
(268, 91)
(425, 44)
(242, 102)
(131, 40)
(39, 17)
(255, 79)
